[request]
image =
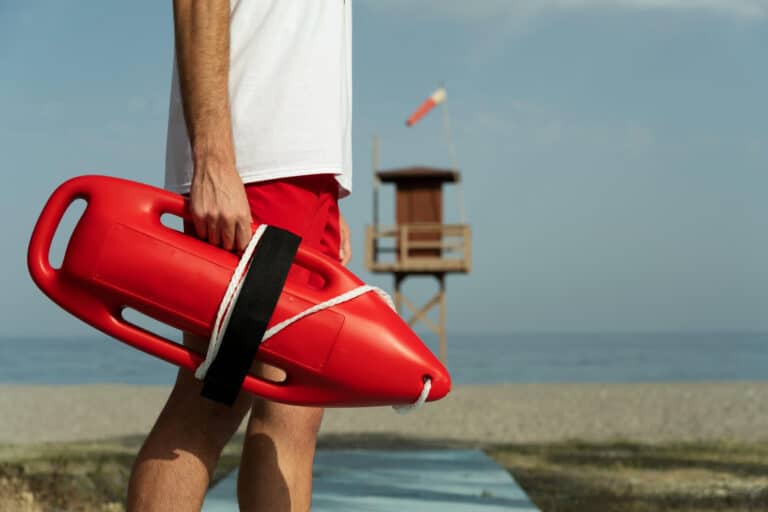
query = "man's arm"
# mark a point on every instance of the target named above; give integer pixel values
(218, 204)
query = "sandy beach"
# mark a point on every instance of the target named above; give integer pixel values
(478, 415)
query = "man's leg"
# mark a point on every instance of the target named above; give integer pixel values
(276, 466)
(174, 466)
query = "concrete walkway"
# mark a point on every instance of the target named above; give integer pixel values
(394, 481)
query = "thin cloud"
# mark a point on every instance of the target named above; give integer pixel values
(492, 9)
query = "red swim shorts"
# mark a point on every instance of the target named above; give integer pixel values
(304, 205)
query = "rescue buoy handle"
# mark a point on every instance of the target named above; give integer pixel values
(335, 282)
(312, 260)
(170, 203)
(38, 259)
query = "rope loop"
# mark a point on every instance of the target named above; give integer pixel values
(405, 409)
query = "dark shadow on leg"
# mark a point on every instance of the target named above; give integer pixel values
(266, 485)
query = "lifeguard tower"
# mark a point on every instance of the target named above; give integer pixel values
(419, 243)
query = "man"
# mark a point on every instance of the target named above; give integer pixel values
(259, 129)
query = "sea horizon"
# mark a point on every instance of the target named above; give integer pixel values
(522, 357)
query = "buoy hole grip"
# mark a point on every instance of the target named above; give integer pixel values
(38, 257)
(141, 320)
(171, 204)
(172, 222)
(63, 233)
(269, 373)
(146, 339)
(335, 282)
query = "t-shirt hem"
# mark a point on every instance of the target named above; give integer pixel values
(260, 175)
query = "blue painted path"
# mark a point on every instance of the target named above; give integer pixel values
(389, 481)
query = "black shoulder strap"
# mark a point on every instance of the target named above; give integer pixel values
(261, 289)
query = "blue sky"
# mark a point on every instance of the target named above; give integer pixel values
(613, 153)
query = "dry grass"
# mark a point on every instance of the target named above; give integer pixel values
(559, 477)
(631, 477)
(78, 476)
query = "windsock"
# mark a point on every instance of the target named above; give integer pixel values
(436, 98)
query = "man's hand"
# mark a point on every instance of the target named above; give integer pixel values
(219, 206)
(345, 251)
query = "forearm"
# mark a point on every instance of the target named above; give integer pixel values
(202, 53)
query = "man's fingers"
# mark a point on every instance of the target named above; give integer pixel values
(346, 254)
(214, 236)
(227, 234)
(243, 234)
(200, 228)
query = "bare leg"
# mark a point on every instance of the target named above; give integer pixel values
(173, 467)
(276, 466)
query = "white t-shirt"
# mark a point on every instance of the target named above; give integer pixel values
(290, 93)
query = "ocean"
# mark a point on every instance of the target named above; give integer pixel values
(472, 359)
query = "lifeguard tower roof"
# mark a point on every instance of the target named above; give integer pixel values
(418, 174)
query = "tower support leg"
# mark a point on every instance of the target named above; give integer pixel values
(443, 342)
(421, 314)
(399, 278)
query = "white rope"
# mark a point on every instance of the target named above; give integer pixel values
(405, 409)
(230, 296)
(344, 297)
(233, 291)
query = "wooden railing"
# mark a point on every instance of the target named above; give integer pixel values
(419, 247)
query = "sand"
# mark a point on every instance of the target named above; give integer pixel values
(478, 415)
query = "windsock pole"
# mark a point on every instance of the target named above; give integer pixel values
(454, 161)
(439, 97)
(376, 182)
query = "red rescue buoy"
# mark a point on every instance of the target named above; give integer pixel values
(120, 255)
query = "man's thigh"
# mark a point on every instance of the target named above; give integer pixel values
(217, 422)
